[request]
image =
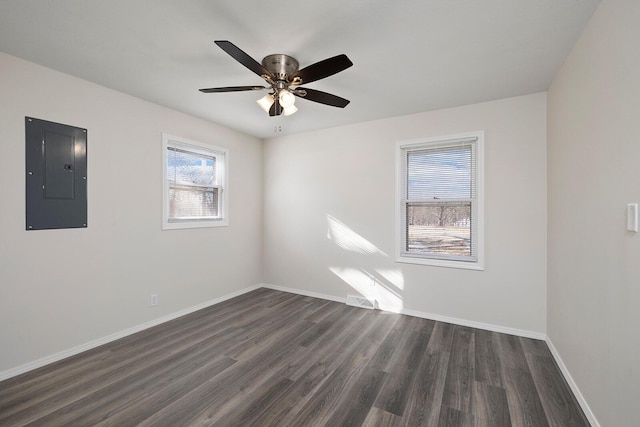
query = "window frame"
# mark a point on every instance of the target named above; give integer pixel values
(477, 206)
(222, 182)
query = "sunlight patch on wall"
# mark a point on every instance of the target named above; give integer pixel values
(369, 287)
(393, 276)
(349, 240)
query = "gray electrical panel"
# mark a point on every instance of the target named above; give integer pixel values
(56, 174)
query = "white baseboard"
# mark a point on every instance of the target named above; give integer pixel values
(572, 384)
(104, 340)
(478, 325)
(430, 316)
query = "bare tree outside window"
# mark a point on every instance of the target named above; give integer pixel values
(440, 228)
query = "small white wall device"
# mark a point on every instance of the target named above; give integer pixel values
(632, 217)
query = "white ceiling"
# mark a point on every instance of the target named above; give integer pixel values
(409, 55)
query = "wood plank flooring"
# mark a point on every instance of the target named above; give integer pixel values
(269, 358)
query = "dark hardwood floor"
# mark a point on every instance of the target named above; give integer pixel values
(270, 358)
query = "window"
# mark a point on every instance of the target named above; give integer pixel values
(439, 201)
(195, 178)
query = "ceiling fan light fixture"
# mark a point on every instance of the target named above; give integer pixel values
(290, 110)
(266, 102)
(287, 99)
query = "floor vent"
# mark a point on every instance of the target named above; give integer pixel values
(362, 302)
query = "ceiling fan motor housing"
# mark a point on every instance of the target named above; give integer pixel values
(281, 65)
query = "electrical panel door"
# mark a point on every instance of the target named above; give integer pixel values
(56, 168)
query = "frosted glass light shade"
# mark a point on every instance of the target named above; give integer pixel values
(266, 102)
(287, 99)
(290, 110)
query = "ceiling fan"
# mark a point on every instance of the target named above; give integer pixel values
(284, 78)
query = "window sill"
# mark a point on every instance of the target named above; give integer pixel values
(195, 224)
(464, 265)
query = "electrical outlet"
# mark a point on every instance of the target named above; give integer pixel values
(154, 300)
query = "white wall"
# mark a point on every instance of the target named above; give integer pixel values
(62, 288)
(594, 263)
(329, 214)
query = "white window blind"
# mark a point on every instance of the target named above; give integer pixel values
(439, 200)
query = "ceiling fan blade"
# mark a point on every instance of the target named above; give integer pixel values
(240, 56)
(322, 69)
(322, 97)
(276, 109)
(232, 89)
